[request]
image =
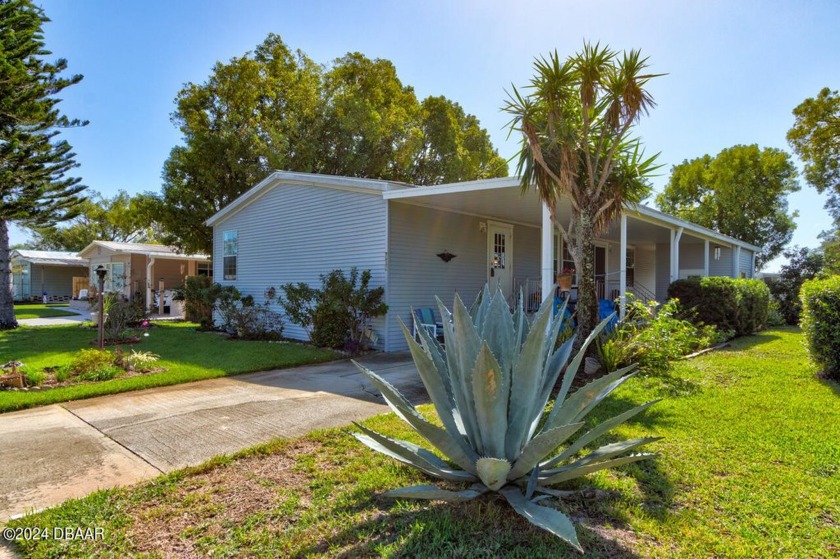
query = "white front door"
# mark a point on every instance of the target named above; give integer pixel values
(500, 257)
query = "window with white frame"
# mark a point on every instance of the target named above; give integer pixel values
(204, 269)
(230, 250)
(114, 278)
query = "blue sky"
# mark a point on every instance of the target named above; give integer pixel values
(735, 69)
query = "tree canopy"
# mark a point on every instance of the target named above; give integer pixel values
(815, 137)
(575, 125)
(121, 218)
(277, 109)
(34, 188)
(740, 192)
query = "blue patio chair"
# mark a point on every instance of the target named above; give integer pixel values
(424, 317)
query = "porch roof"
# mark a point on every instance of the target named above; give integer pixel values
(145, 249)
(502, 199)
(50, 257)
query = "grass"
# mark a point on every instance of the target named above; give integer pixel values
(40, 310)
(748, 468)
(187, 355)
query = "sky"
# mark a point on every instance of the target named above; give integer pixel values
(735, 70)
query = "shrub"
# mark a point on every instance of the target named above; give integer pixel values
(136, 360)
(741, 305)
(88, 361)
(103, 373)
(338, 314)
(753, 306)
(199, 294)
(653, 336)
(120, 316)
(821, 322)
(240, 316)
(34, 378)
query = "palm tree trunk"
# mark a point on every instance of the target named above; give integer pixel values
(7, 305)
(587, 303)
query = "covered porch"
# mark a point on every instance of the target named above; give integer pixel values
(499, 236)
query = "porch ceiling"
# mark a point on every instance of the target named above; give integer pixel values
(506, 203)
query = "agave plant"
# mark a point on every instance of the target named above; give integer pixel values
(490, 383)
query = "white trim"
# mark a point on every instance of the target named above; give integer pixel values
(453, 188)
(508, 250)
(650, 215)
(705, 258)
(622, 268)
(547, 249)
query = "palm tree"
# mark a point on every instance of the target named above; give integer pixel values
(575, 124)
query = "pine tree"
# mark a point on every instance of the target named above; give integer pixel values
(33, 188)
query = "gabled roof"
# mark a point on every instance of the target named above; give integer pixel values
(146, 249)
(50, 257)
(368, 186)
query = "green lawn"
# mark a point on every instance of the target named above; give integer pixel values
(187, 355)
(749, 467)
(39, 310)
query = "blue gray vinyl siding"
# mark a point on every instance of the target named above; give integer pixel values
(645, 271)
(526, 252)
(295, 233)
(746, 263)
(691, 256)
(416, 275)
(722, 266)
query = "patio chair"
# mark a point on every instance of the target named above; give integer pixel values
(424, 317)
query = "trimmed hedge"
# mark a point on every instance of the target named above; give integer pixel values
(821, 322)
(739, 305)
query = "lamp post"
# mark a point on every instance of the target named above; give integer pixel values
(101, 271)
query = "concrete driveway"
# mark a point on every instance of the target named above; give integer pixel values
(58, 452)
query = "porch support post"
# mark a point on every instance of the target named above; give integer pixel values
(149, 265)
(706, 258)
(671, 259)
(622, 266)
(676, 235)
(752, 272)
(734, 253)
(547, 253)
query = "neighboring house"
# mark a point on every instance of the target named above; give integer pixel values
(292, 227)
(137, 270)
(58, 274)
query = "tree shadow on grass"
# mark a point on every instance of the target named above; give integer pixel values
(485, 527)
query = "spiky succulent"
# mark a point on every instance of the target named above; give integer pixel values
(490, 383)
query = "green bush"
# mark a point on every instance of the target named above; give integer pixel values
(653, 336)
(103, 373)
(88, 361)
(803, 264)
(121, 315)
(821, 322)
(338, 314)
(34, 378)
(741, 305)
(199, 294)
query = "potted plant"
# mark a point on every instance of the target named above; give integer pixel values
(564, 279)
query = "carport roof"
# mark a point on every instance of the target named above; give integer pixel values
(51, 257)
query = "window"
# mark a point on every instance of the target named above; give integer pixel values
(230, 249)
(114, 278)
(204, 269)
(631, 266)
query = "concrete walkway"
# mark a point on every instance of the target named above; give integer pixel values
(59, 452)
(78, 318)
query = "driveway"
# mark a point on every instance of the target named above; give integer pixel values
(58, 452)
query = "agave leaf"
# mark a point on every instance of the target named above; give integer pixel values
(497, 331)
(493, 472)
(432, 493)
(541, 446)
(411, 454)
(605, 452)
(546, 518)
(525, 382)
(587, 397)
(479, 310)
(521, 325)
(594, 433)
(491, 388)
(573, 473)
(434, 348)
(532, 483)
(553, 366)
(464, 347)
(440, 438)
(436, 386)
(569, 376)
